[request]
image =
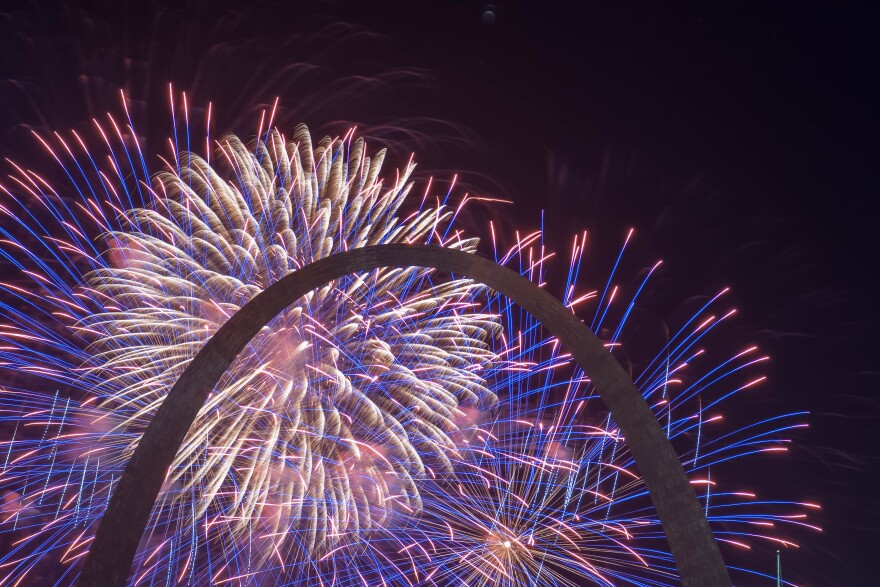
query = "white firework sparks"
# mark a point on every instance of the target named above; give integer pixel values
(335, 409)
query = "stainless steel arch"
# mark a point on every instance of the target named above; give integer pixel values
(690, 539)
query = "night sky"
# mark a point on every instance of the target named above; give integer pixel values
(739, 140)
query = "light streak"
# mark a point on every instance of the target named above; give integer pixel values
(392, 428)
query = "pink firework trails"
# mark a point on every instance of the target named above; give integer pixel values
(397, 427)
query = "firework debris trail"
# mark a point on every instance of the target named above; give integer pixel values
(395, 427)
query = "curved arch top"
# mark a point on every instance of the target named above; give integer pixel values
(690, 539)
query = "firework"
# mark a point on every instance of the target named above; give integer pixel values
(393, 427)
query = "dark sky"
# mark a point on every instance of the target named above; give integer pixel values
(740, 139)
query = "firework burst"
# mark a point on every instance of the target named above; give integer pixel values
(393, 427)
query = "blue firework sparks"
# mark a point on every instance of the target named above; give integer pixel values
(397, 427)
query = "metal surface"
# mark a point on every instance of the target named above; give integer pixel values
(690, 540)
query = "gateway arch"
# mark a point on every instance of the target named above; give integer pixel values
(690, 539)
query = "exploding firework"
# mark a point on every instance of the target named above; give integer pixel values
(394, 427)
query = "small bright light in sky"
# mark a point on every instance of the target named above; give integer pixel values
(507, 544)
